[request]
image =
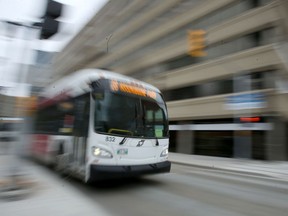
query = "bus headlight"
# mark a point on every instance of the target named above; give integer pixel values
(98, 152)
(164, 153)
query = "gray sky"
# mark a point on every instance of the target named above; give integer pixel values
(14, 50)
(76, 14)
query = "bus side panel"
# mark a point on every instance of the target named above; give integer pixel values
(40, 146)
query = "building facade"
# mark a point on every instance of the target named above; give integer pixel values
(230, 102)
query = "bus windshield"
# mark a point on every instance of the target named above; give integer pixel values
(127, 115)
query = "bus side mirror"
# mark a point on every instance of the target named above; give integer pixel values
(97, 90)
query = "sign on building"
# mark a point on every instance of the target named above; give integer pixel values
(246, 101)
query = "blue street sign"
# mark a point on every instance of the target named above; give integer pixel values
(246, 101)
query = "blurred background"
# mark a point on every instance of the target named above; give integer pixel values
(221, 65)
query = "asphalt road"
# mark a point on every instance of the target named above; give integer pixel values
(190, 191)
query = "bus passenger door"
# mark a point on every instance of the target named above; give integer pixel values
(80, 132)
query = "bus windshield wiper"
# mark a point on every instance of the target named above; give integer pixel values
(157, 143)
(123, 141)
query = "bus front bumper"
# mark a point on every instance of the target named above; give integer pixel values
(99, 172)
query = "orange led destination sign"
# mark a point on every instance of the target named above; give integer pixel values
(132, 89)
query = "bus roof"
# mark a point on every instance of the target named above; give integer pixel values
(78, 82)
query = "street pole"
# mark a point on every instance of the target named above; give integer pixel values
(23, 37)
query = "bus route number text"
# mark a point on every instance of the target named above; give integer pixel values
(110, 139)
(131, 89)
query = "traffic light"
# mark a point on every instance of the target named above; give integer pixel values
(196, 40)
(50, 25)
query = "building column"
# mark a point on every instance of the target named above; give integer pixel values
(185, 142)
(242, 144)
(276, 141)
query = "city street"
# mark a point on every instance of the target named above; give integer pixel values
(191, 191)
(187, 190)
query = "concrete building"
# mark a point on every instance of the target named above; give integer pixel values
(243, 75)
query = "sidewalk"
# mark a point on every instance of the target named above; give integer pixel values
(274, 169)
(50, 195)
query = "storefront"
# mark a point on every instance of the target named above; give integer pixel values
(225, 138)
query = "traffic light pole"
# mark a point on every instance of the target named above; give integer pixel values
(14, 174)
(27, 36)
(49, 27)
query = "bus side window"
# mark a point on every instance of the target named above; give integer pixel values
(82, 109)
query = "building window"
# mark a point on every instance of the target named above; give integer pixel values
(212, 19)
(218, 50)
(258, 81)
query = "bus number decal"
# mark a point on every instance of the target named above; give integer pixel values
(110, 139)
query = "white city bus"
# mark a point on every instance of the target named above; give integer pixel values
(97, 124)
